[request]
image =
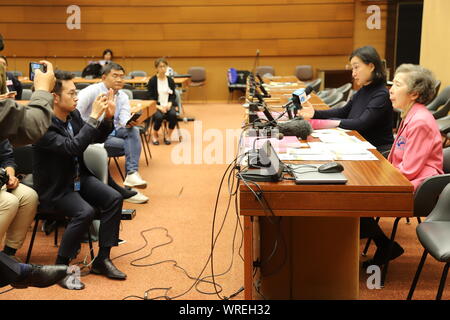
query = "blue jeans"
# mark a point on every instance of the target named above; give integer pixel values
(125, 141)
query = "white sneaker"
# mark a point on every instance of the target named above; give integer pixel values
(138, 198)
(135, 180)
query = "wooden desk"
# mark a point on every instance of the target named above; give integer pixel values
(140, 82)
(148, 108)
(317, 255)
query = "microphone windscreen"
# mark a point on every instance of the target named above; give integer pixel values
(299, 128)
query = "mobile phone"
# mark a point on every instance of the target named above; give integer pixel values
(134, 117)
(34, 66)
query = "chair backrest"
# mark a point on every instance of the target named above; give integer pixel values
(326, 93)
(304, 72)
(446, 153)
(26, 94)
(441, 210)
(82, 85)
(96, 160)
(140, 94)
(128, 92)
(339, 105)
(315, 84)
(263, 70)
(442, 112)
(441, 99)
(345, 89)
(137, 73)
(77, 73)
(437, 86)
(16, 73)
(198, 74)
(334, 99)
(428, 193)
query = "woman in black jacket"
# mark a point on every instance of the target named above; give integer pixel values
(370, 110)
(162, 89)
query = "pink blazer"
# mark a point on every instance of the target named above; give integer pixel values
(417, 149)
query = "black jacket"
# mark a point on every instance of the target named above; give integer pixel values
(152, 87)
(14, 85)
(54, 156)
(369, 112)
(6, 155)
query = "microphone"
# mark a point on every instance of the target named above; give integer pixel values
(254, 160)
(288, 108)
(300, 96)
(261, 87)
(295, 127)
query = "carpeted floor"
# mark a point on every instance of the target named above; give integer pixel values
(173, 230)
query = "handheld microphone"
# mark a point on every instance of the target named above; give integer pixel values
(300, 96)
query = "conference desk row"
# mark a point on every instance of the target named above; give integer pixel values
(307, 245)
(137, 82)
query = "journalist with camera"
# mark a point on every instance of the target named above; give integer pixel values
(20, 125)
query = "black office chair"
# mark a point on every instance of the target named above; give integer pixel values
(239, 85)
(424, 200)
(315, 84)
(334, 99)
(114, 148)
(434, 235)
(95, 159)
(440, 100)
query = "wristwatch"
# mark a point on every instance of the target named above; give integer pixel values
(93, 122)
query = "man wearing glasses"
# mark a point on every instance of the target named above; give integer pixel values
(125, 136)
(64, 183)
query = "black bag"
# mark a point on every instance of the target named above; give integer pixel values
(94, 70)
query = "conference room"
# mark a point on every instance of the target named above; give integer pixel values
(224, 150)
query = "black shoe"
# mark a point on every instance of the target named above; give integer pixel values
(71, 282)
(381, 255)
(42, 276)
(155, 142)
(167, 141)
(107, 268)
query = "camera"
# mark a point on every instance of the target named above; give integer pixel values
(34, 66)
(4, 177)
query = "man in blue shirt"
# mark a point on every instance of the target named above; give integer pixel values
(126, 135)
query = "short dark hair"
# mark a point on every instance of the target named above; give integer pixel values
(60, 77)
(159, 60)
(4, 58)
(112, 66)
(368, 55)
(108, 51)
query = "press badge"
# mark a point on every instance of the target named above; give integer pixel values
(77, 185)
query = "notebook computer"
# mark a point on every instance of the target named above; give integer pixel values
(308, 174)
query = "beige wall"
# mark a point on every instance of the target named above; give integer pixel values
(435, 47)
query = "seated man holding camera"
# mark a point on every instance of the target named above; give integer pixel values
(18, 203)
(66, 185)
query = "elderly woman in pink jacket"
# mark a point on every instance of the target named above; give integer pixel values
(417, 149)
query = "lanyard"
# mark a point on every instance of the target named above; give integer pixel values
(76, 180)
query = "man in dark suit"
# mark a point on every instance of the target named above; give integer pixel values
(66, 185)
